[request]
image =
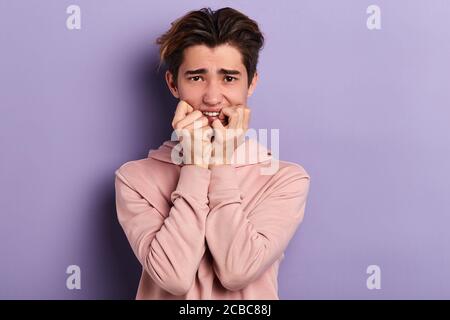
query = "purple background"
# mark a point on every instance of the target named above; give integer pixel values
(365, 112)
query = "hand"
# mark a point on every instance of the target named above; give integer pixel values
(194, 134)
(228, 138)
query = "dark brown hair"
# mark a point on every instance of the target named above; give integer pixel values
(211, 28)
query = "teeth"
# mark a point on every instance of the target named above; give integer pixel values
(211, 114)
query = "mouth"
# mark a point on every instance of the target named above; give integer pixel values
(213, 116)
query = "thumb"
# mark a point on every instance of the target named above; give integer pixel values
(189, 107)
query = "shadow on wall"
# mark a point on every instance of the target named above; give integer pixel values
(117, 266)
(156, 104)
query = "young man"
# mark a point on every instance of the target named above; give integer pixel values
(211, 226)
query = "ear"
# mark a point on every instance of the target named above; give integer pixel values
(171, 84)
(252, 86)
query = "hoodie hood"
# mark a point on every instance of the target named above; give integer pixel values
(247, 153)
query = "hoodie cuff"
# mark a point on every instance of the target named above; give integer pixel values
(194, 180)
(224, 185)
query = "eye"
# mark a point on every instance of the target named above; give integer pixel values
(230, 79)
(194, 78)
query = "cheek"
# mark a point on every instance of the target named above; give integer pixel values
(191, 95)
(237, 96)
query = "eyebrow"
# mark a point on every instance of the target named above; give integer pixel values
(204, 71)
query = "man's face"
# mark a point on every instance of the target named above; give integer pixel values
(212, 78)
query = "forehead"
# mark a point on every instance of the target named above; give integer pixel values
(201, 56)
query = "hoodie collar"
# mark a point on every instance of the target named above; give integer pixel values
(249, 152)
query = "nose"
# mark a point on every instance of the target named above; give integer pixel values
(212, 95)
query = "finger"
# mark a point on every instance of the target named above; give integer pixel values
(217, 124)
(197, 123)
(240, 122)
(189, 119)
(231, 113)
(182, 109)
(204, 133)
(224, 119)
(207, 132)
(247, 112)
(203, 127)
(235, 119)
(181, 134)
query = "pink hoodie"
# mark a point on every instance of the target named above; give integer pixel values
(215, 233)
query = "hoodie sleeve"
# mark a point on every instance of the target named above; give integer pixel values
(245, 245)
(169, 247)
